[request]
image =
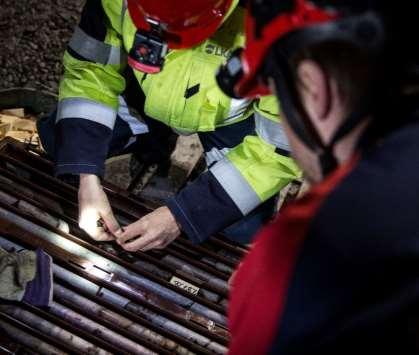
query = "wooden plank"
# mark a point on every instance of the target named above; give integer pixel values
(18, 124)
(21, 136)
(184, 159)
(18, 112)
(4, 128)
(8, 118)
(25, 125)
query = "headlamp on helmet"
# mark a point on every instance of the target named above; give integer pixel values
(171, 24)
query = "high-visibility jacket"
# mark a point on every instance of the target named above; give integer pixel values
(184, 95)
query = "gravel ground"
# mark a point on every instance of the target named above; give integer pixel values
(33, 36)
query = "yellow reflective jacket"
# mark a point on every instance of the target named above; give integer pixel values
(184, 96)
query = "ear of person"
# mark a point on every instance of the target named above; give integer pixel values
(314, 89)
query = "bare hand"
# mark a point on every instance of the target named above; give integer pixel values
(154, 231)
(93, 208)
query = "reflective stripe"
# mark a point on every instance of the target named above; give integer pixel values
(235, 185)
(271, 132)
(131, 140)
(136, 126)
(87, 109)
(237, 108)
(215, 155)
(94, 50)
(124, 10)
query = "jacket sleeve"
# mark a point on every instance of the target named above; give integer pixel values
(248, 174)
(89, 90)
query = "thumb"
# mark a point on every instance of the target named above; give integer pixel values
(133, 230)
(119, 233)
(110, 221)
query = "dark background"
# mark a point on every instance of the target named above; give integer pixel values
(33, 37)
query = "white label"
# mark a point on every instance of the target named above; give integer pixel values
(184, 285)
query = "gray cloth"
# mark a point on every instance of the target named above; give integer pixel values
(16, 270)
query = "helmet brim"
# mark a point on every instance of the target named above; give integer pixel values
(188, 36)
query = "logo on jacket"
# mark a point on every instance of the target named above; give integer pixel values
(217, 50)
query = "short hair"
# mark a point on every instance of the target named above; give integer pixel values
(348, 65)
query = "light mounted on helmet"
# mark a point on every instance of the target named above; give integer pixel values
(266, 22)
(278, 30)
(148, 50)
(171, 24)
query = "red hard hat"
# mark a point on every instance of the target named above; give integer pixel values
(259, 40)
(270, 21)
(184, 23)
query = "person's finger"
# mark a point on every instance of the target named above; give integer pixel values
(140, 243)
(100, 234)
(110, 221)
(154, 245)
(131, 231)
(158, 242)
(103, 237)
(163, 243)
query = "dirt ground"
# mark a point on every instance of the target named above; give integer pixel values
(33, 37)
